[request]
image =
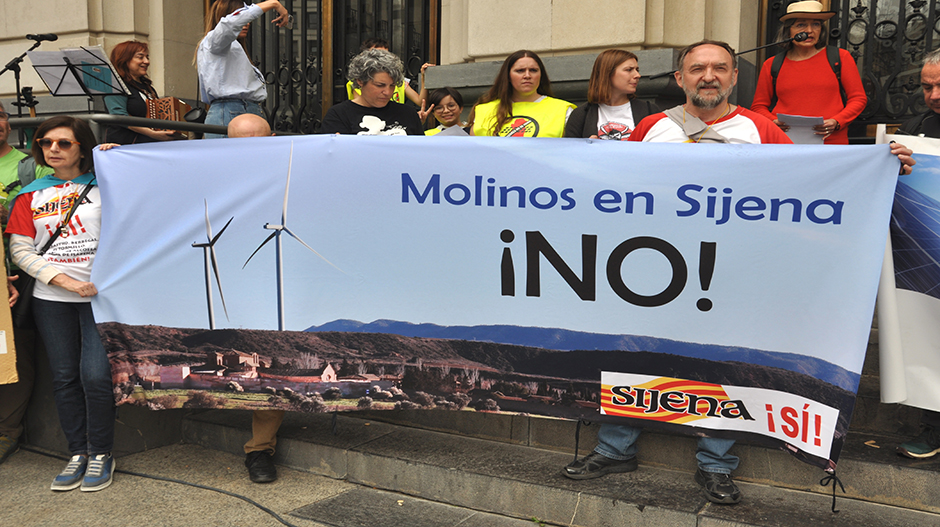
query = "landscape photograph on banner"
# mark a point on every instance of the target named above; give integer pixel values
(334, 273)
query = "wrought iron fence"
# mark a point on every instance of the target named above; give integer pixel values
(405, 24)
(888, 39)
(292, 61)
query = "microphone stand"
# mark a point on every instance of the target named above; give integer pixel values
(14, 66)
(796, 37)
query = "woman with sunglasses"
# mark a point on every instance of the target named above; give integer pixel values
(228, 81)
(612, 110)
(81, 373)
(446, 104)
(520, 102)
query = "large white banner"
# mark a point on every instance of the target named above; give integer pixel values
(542, 262)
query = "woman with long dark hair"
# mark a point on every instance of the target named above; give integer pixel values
(520, 102)
(612, 110)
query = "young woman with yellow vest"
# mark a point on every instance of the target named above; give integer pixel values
(520, 102)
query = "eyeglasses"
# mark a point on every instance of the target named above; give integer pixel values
(64, 144)
(4, 116)
(451, 107)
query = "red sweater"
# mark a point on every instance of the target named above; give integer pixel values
(809, 87)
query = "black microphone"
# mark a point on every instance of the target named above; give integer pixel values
(799, 37)
(43, 36)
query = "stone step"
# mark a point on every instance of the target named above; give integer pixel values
(511, 466)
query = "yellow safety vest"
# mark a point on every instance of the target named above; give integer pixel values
(398, 95)
(544, 118)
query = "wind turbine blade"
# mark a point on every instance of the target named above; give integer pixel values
(266, 240)
(212, 242)
(208, 227)
(218, 281)
(290, 162)
(294, 236)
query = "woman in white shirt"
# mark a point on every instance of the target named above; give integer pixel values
(229, 83)
(612, 110)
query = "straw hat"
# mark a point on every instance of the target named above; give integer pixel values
(810, 9)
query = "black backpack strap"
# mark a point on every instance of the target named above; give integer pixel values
(774, 72)
(835, 62)
(25, 174)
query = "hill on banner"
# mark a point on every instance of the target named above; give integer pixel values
(567, 340)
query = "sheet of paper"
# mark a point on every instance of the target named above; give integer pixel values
(453, 131)
(801, 128)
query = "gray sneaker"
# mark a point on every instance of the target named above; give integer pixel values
(927, 444)
(100, 473)
(71, 477)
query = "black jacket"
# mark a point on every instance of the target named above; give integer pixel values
(927, 123)
(583, 120)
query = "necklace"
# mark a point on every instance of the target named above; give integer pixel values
(727, 111)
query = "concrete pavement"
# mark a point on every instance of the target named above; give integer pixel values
(299, 497)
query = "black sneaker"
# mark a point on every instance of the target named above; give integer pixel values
(718, 488)
(261, 468)
(596, 465)
(927, 444)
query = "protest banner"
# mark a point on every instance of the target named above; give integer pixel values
(909, 299)
(719, 288)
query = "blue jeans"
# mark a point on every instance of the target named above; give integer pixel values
(81, 374)
(222, 111)
(619, 442)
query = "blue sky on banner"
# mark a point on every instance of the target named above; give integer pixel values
(801, 287)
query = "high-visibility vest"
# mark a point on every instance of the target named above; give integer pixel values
(543, 118)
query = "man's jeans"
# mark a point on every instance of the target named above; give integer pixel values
(81, 374)
(222, 111)
(619, 442)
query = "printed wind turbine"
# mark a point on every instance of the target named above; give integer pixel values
(212, 266)
(278, 229)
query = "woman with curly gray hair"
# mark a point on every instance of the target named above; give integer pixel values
(376, 73)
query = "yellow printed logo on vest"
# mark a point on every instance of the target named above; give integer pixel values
(396, 96)
(520, 126)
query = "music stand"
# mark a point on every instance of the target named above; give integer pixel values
(78, 71)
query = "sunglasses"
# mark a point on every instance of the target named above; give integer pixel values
(64, 144)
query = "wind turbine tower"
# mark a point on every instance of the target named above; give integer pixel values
(212, 266)
(279, 254)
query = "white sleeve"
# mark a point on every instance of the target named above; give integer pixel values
(220, 39)
(26, 257)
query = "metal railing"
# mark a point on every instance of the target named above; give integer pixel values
(99, 120)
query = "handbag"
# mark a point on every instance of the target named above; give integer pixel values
(197, 114)
(22, 310)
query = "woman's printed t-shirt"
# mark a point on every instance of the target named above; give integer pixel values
(615, 122)
(38, 214)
